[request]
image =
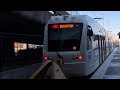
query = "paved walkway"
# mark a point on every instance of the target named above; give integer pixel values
(110, 69)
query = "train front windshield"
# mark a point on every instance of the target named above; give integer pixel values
(64, 37)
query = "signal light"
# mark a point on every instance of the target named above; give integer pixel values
(55, 26)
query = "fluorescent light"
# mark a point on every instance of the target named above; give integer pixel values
(51, 12)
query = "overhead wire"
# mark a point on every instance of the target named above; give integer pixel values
(104, 21)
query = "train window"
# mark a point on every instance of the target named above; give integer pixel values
(96, 37)
(103, 37)
(64, 37)
(89, 37)
(89, 43)
(95, 41)
(90, 31)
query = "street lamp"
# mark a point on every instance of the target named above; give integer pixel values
(103, 25)
(97, 18)
(102, 32)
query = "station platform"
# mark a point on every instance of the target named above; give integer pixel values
(20, 73)
(110, 69)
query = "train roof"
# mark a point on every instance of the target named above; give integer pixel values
(78, 19)
(67, 18)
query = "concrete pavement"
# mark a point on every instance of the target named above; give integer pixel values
(110, 69)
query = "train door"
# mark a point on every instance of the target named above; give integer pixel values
(100, 49)
(109, 44)
(95, 48)
(90, 45)
(104, 48)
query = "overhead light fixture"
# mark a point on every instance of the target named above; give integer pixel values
(51, 12)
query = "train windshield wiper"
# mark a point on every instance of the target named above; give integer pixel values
(58, 54)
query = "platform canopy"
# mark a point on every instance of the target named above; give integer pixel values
(25, 22)
(25, 26)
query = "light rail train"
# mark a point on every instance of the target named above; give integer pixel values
(79, 40)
